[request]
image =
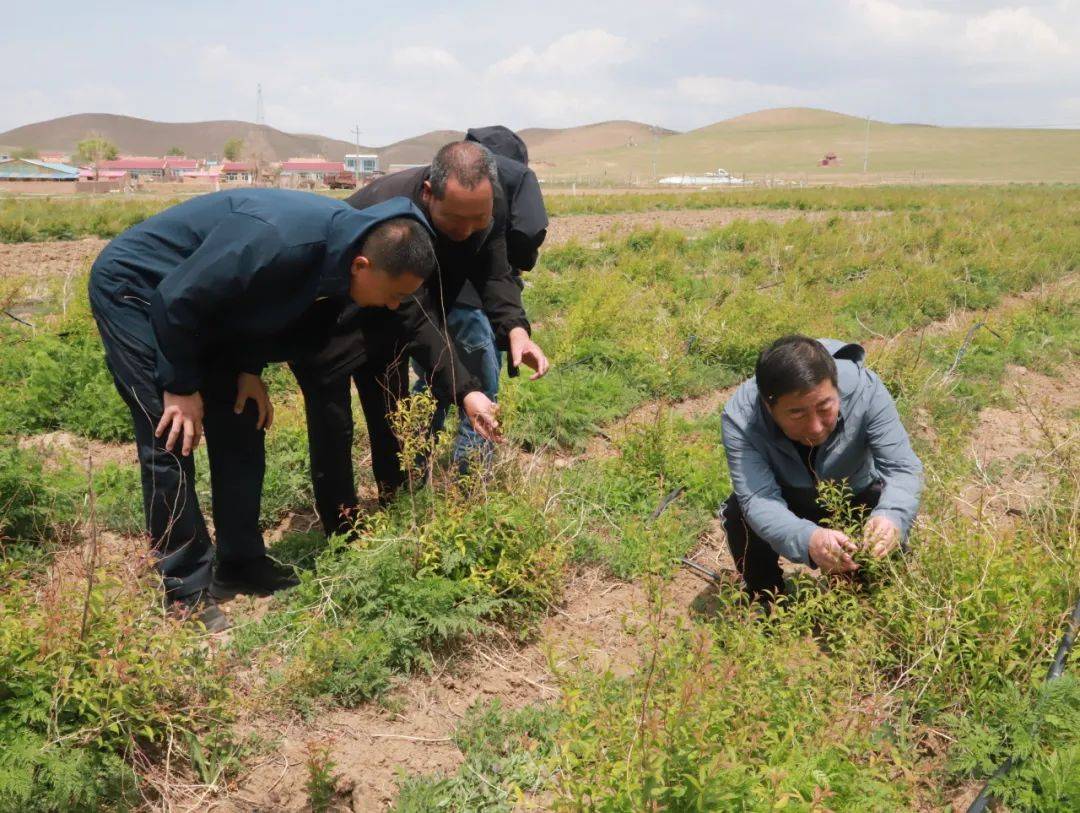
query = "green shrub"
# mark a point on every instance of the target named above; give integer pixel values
(422, 576)
(85, 703)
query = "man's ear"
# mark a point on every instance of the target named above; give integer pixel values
(360, 263)
(425, 192)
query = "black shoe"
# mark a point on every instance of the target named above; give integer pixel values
(256, 577)
(202, 607)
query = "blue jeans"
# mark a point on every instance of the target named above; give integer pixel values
(474, 342)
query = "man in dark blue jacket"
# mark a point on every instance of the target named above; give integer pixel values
(191, 304)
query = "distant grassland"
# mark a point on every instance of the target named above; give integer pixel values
(36, 220)
(793, 142)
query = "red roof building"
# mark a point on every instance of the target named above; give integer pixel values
(139, 167)
(238, 171)
(181, 166)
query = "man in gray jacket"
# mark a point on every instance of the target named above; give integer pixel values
(813, 412)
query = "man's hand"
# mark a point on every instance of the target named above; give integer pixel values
(183, 416)
(831, 551)
(523, 350)
(252, 387)
(881, 536)
(483, 414)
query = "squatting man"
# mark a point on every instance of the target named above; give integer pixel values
(813, 412)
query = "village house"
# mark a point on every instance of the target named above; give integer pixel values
(309, 169)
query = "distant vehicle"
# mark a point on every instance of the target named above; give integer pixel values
(340, 180)
(719, 178)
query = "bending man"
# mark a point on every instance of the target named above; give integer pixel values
(191, 304)
(459, 195)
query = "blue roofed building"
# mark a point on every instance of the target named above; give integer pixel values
(28, 169)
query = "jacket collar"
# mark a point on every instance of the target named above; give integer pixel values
(346, 233)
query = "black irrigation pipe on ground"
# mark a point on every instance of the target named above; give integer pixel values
(1056, 670)
(669, 498)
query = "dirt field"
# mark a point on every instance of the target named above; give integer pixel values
(597, 623)
(57, 259)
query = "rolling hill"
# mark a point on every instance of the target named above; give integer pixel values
(791, 141)
(135, 136)
(143, 137)
(786, 142)
(548, 146)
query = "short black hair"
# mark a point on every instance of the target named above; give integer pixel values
(400, 246)
(466, 162)
(793, 364)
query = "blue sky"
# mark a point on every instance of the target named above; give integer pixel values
(326, 66)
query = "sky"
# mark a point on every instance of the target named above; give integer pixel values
(326, 67)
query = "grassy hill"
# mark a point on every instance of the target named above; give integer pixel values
(135, 136)
(207, 138)
(790, 141)
(549, 146)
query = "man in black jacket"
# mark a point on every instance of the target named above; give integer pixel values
(191, 304)
(525, 229)
(460, 195)
(527, 221)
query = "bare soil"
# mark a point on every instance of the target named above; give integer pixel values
(32, 262)
(52, 259)
(1008, 443)
(56, 448)
(410, 732)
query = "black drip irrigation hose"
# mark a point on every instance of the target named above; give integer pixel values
(669, 498)
(711, 575)
(1057, 668)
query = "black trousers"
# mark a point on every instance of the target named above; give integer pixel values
(179, 538)
(756, 561)
(380, 385)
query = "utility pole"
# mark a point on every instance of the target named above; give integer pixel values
(866, 147)
(260, 113)
(655, 142)
(356, 160)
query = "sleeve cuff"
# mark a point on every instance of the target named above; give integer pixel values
(502, 333)
(802, 543)
(177, 379)
(896, 517)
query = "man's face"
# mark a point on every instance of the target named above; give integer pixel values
(371, 288)
(808, 417)
(462, 212)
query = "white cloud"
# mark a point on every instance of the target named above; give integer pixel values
(424, 57)
(896, 22)
(682, 65)
(572, 54)
(1009, 32)
(1016, 37)
(739, 95)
